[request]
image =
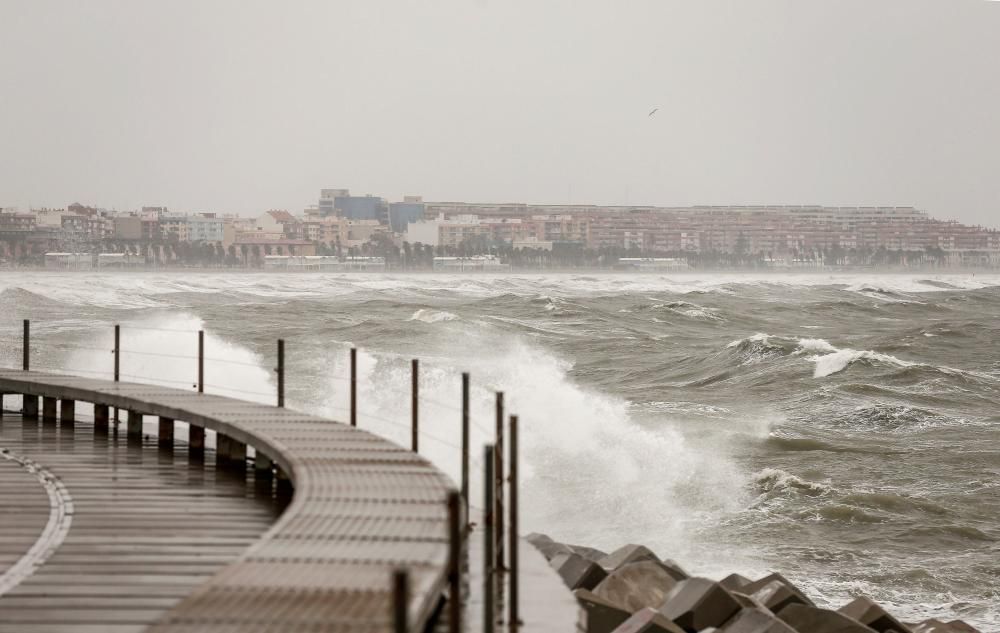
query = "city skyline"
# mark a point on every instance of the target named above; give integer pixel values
(237, 107)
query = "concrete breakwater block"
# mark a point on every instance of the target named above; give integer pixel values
(577, 572)
(755, 620)
(591, 554)
(698, 603)
(627, 554)
(735, 582)
(622, 591)
(776, 592)
(934, 625)
(648, 621)
(872, 615)
(547, 546)
(776, 595)
(806, 619)
(602, 615)
(637, 585)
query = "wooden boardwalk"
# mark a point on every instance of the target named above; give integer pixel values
(121, 531)
(362, 508)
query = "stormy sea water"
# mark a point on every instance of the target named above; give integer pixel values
(843, 429)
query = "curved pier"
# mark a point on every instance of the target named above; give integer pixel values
(362, 508)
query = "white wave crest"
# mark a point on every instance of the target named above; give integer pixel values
(432, 316)
(815, 345)
(840, 360)
(759, 337)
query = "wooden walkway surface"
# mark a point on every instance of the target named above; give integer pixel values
(121, 531)
(362, 507)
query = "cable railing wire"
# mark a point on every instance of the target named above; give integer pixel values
(242, 391)
(156, 329)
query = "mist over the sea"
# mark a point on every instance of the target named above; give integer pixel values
(843, 429)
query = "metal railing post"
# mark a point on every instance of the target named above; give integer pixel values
(400, 601)
(512, 545)
(281, 372)
(498, 483)
(489, 541)
(354, 386)
(455, 533)
(201, 361)
(465, 441)
(118, 351)
(415, 405)
(26, 346)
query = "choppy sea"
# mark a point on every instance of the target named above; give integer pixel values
(843, 429)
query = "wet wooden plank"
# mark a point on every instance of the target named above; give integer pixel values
(145, 531)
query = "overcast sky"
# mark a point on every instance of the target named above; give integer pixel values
(241, 106)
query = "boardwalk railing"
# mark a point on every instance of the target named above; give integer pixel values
(374, 534)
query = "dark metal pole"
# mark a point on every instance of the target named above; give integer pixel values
(454, 562)
(26, 345)
(465, 441)
(489, 541)
(201, 361)
(118, 350)
(498, 483)
(514, 617)
(400, 601)
(354, 386)
(414, 404)
(281, 372)
(118, 357)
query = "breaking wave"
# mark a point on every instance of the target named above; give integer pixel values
(432, 316)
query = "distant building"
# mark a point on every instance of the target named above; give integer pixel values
(451, 231)
(85, 226)
(128, 227)
(532, 243)
(362, 208)
(483, 263)
(174, 227)
(120, 260)
(205, 227)
(69, 260)
(16, 224)
(270, 246)
(327, 201)
(401, 214)
(279, 222)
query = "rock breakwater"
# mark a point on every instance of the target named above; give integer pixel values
(632, 590)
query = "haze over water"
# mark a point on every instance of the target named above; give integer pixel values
(842, 429)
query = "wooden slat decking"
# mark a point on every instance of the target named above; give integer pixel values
(124, 534)
(362, 507)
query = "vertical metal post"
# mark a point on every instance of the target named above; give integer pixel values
(455, 532)
(489, 540)
(400, 601)
(354, 386)
(118, 350)
(281, 372)
(514, 617)
(201, 361)
(26, 345)
(498, 483)
(414, 404)
(465, 441)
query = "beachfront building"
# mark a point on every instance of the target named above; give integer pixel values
(653, 264)
(482, 263)
(73, 261)
(120, 260)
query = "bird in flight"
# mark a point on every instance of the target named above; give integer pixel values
(653, 111)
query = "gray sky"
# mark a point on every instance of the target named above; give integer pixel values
(240, 106)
